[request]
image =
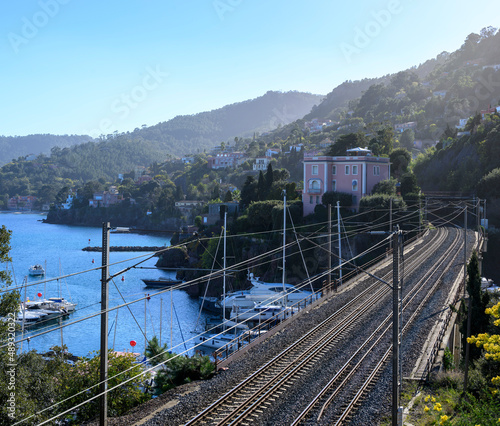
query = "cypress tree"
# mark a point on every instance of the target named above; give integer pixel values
(479, 303)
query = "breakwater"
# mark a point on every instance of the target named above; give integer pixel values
(126, 248)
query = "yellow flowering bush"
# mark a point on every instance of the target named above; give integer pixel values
(490, 343)
(437, 407)
(443, 420)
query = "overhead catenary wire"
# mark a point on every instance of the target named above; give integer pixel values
(143, 298)
(108, 391)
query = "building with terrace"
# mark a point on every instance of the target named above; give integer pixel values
(356, 174)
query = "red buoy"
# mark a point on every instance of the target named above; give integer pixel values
(133, 343)
(123, 278)
(39, 294)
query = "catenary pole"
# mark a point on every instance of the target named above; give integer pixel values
(329, 276)
(103, 387)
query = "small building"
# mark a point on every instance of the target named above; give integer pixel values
(461, 123)
(353, 174)
(105, 198)
(226, 159)
(490, 110)
(187, 207)
(404, 126)
(440, 93)
(272, 151)
(68, 203)
(214, 211)
(496, 67)
(261, 163)
(22, 202)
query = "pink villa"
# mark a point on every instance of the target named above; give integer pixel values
(356, 174)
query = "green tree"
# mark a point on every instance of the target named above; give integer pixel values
(409, 184)
(269, 178)
(479, 301)
(261, 187)
(249, 192)
(155, 353)
(331, 197)
(406, 139)
(85, 377)
(387, 187)
(400, 160)
(345, 142)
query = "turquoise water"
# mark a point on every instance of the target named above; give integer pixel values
(59, 249)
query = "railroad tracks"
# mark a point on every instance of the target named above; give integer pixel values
(252, 398)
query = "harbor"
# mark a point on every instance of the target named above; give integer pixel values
(74, 274)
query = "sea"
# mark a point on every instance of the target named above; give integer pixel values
(172, 316)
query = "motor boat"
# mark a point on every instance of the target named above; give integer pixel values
(267, 293)
(53, 303)
(161, 282)
(36, 270)
(261, 312)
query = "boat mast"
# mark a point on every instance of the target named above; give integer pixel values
(24, 312)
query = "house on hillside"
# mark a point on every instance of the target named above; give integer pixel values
(490, 110)
(404, 126)
(355, 173)
(496, 67)
(189, 207)
(261, 163)
(214, 211)
(440, 93)
(105, 198)
(226, 159)
(22, 202)
(272, 151)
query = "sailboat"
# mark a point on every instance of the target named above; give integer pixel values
(266, 301)
(221, 336)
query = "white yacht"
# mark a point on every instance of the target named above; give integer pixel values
(36, 270)
(269, 294)
(261, 313)
(58, 303)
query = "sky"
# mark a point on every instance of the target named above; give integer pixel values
(94, 67)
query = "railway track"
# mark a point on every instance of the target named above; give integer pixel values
(412, 306)
(248, 402)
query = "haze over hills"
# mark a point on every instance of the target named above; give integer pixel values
(195, 133)
(13, 147)
(186, 133)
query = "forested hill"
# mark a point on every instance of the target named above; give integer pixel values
(13, 147)
(195, 133)
(403, 95)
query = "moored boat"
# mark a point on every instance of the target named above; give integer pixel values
(161, 282)
(36, 270)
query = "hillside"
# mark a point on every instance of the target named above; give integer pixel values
(195, 133)
(13, 147)
(434, 94)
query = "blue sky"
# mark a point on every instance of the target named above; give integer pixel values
(91, 67)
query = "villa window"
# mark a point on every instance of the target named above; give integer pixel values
(314, 170)
(334, 185)
(376, 170)
(354, 170)
(355, 185)
(347, 170)
(334, 170)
